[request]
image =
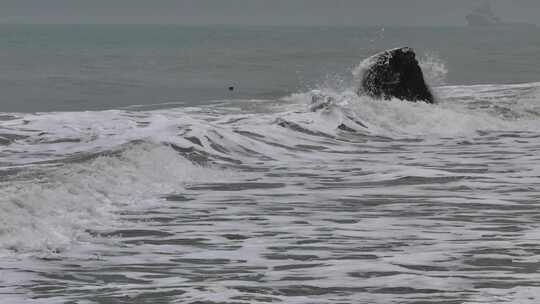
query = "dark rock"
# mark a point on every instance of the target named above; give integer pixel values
(395, 74)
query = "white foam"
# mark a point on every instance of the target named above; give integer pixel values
(457, 113)
(516, 295)
(48, 211)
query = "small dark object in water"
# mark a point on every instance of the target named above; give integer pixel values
(344, 127)
(231, 88)
(395, 74)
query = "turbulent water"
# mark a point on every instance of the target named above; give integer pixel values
(277, 200)
(263, 201)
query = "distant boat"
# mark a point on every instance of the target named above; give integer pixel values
(484, 17)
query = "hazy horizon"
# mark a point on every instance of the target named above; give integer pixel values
(260, 12)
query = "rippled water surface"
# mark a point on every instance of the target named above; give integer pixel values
(266, 201)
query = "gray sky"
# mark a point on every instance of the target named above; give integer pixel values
(261, 12)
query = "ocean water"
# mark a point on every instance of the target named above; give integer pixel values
(130, 174)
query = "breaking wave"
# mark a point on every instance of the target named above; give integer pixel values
(288, 190)
(63, 173)
(47, 209)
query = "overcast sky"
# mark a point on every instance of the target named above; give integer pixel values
(261, 12)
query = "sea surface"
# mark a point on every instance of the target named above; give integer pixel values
(129, 173)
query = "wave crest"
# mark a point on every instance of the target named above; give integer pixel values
(47, 210)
